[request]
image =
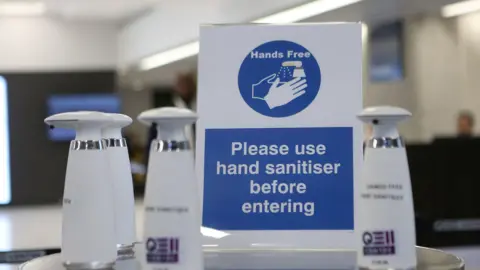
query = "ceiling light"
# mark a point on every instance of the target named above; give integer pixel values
(288, 16)
(170, 56)
(306, 11)
(22, 8)
(460, 8)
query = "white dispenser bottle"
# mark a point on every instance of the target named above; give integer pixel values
(172, 223)
(385, 223)
(88, 234)
(121, 177)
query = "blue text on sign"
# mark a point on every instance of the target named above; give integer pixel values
(278, 179)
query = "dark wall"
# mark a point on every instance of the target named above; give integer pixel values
(37, 164)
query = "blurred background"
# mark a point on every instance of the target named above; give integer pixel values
(131, 55)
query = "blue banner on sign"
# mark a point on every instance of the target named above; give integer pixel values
(279, 179)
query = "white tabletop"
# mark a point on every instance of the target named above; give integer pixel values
(33, 227)
(30, 227)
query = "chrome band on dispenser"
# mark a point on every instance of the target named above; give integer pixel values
(170, 146)
(385, 143)
(88, 145)
(88, 265)
(112, 142)
(125, 252)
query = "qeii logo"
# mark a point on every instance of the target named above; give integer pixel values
(378, 242)
(163, 250)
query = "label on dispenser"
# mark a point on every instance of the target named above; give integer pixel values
(163, 250)
(278, 143)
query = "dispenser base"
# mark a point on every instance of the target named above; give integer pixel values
(88, 265)
(368, 268)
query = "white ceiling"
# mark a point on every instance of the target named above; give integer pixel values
(116, 11)
(95, 10)
(121, 10)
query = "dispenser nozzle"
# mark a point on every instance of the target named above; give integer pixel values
(74, 120)
(170, 121)
(86, 123)
(384, 119)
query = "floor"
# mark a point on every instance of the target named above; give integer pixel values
(40, 226)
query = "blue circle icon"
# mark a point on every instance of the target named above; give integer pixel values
(279, 78)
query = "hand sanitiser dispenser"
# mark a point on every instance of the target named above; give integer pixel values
(385, 222)
(88, 234)
(172, 224)
(121, 178)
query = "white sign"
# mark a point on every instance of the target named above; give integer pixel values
(278, 144)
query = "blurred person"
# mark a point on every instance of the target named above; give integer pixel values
(465, 124)
(186, 97)
(186, 91)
